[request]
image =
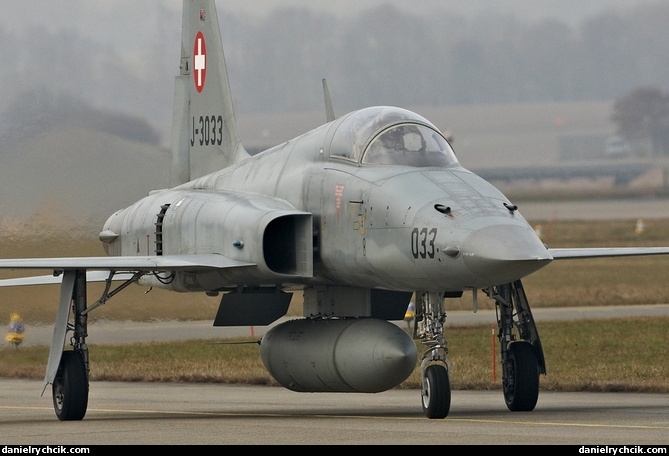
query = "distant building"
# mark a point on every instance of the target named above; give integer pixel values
(616, 146)
(593, 146)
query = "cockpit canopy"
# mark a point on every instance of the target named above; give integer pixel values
(390, 136)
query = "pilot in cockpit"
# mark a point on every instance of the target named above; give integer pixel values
(393, 139)
(411, 145)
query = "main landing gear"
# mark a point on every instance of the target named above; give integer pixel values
(522, 355)
(67, 370)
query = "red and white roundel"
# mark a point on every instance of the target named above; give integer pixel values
(199, 61)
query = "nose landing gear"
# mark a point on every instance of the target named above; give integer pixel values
(434, 367)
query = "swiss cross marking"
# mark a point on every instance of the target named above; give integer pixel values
(199, 61)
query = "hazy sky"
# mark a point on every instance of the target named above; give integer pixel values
(126, 24)
(129, 27)
(100, 17)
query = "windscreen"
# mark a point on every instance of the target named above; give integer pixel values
(390, 136)
(409, 145)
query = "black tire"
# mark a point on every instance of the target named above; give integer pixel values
(436, 392)
(70, 388)
(521, 392)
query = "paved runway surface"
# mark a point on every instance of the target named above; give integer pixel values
(209, 414)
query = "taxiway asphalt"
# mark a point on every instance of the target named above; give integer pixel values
(121, 413)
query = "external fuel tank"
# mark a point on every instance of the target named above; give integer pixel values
(365, 355)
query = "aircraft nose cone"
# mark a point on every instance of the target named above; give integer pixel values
(504, 253)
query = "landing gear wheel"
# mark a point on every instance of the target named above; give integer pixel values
(70, 387)
(436, 392)
(521, 389)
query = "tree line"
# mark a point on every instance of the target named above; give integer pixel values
(388, 56)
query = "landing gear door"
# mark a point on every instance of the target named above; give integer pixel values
(60, 328)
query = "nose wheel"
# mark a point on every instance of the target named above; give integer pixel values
(429, 328)
(436, 392)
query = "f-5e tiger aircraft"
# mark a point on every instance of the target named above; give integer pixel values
(358, 214)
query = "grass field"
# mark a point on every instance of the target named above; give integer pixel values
(602, 355)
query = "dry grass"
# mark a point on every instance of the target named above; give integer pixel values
(607, 355)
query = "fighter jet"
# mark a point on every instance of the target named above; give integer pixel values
(358, 215)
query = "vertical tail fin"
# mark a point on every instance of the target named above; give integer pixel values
(204, 131)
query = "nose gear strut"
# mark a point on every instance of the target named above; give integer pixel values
(434, 366)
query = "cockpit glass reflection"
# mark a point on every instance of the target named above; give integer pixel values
(390, 136)
(409, 145)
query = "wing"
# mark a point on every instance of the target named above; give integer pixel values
(98, 268)
(601, 252)
(102, 269)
